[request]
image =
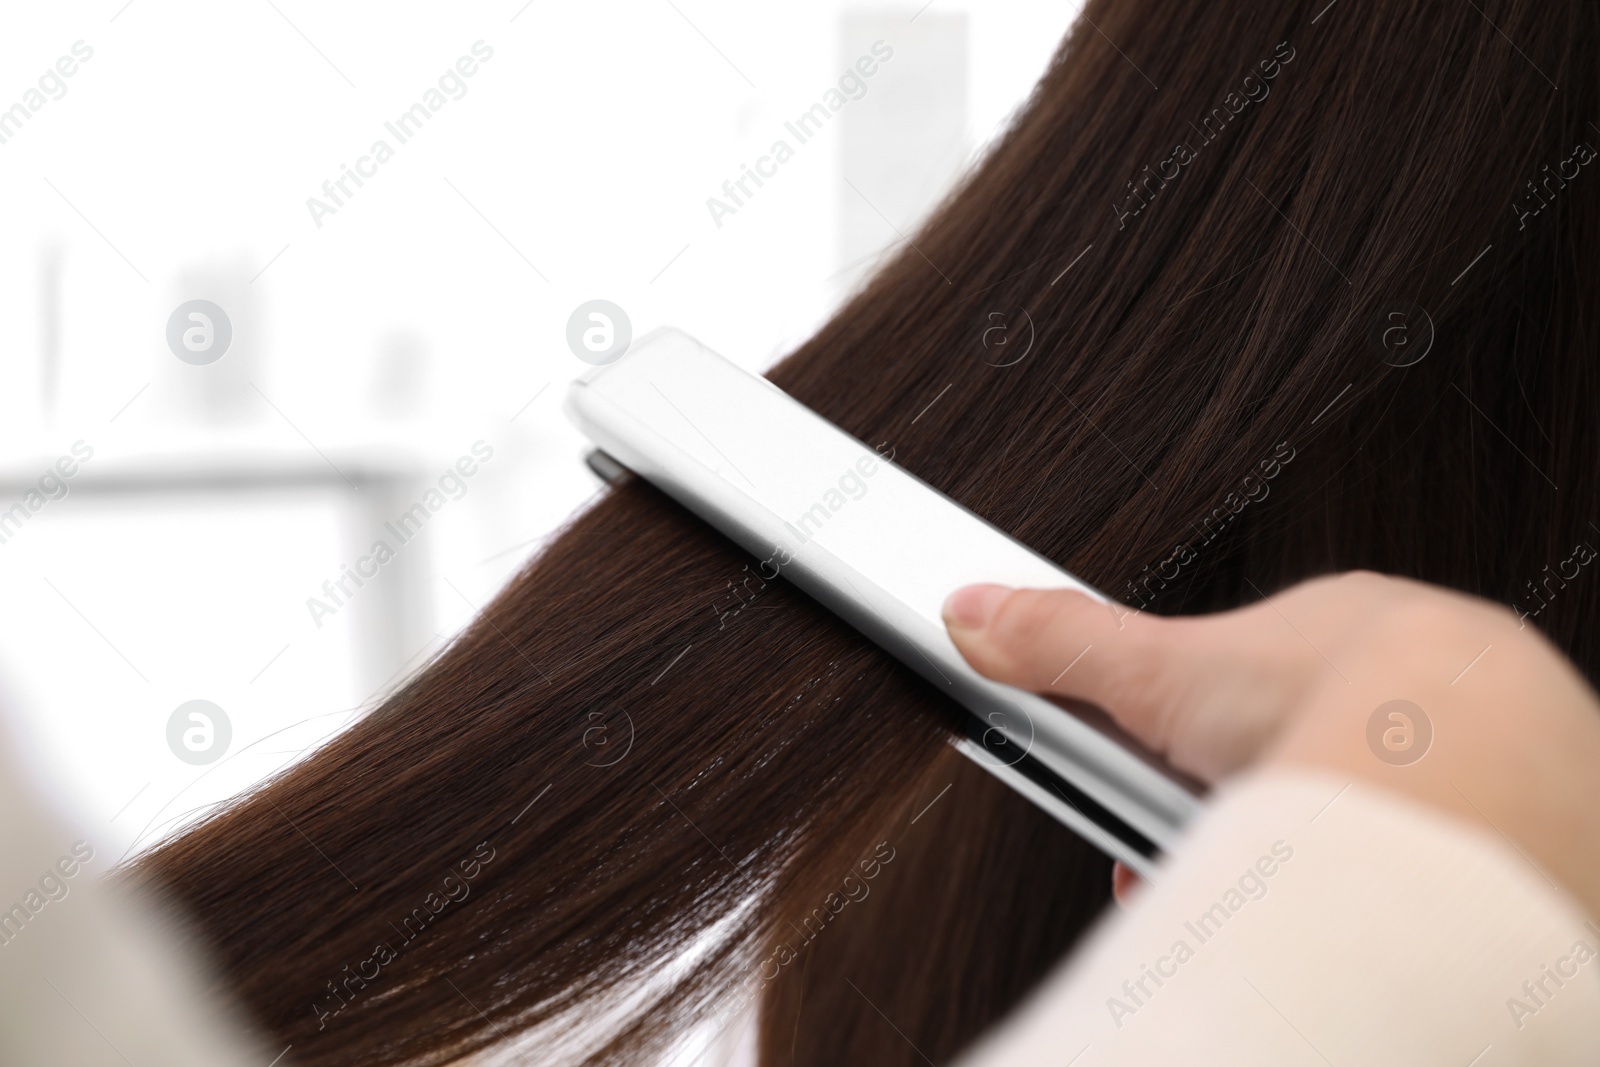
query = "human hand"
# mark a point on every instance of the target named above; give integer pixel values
(1510, 731)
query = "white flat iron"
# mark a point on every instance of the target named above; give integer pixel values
(882, 549)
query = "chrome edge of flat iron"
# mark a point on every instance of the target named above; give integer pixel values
(696, 426)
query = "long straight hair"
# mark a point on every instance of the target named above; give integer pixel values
(1280, 288)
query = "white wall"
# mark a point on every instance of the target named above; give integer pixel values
(426, 314)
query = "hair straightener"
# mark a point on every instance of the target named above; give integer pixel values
(882, 549)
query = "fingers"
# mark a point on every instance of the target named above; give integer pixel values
(1062, 642)
(1020, 636)
(1125, 882)
(1206, 691)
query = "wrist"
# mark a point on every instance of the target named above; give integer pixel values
(1508, 742)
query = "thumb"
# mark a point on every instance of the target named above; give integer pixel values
(1064, 643)
(1193, 688)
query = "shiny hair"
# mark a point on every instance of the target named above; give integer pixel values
(1283, 288)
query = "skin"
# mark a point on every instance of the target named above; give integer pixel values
(1293, 680)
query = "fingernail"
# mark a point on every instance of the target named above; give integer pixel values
(972, 606)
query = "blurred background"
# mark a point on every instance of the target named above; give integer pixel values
(244, 345)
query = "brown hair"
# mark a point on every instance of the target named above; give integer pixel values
(648, 786)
